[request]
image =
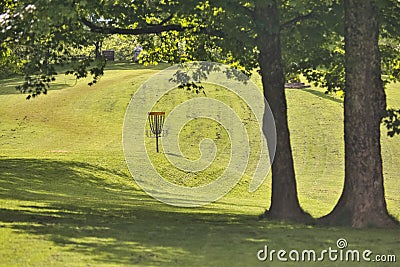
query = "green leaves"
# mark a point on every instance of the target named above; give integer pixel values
(221, 31)
(392, 122)
(35, 85)
(193, 87)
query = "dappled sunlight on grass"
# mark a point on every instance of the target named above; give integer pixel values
(78, 211)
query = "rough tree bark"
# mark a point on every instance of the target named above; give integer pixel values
(284, 199)
(362, 202)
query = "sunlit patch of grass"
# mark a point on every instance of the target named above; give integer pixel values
(195, 131)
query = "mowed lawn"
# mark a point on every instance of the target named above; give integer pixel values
(68, 199)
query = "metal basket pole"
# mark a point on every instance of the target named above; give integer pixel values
(156, 120)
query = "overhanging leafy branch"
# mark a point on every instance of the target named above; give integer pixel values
(151, 29)
(392, 122)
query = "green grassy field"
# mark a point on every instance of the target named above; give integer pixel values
(67, 198)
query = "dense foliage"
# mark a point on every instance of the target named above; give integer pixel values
(37, 36)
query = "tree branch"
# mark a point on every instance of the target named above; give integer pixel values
(148, 30)
(166, 19)
(297, 19)
(246, 10)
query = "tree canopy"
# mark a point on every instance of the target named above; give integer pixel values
(45, 33)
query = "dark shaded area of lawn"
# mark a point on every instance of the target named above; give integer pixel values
(324, 95)
(73, 206)
(113, 222)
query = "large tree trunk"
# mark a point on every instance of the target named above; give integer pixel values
(284, 200)
(362, 202)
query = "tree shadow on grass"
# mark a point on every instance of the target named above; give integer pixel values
(72, 205)
(323, 95)
(120, 65)
(8, 86)
(81, 208)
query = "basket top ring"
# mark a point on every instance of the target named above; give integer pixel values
(157, 113)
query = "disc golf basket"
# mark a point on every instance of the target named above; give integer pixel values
(156, 121)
